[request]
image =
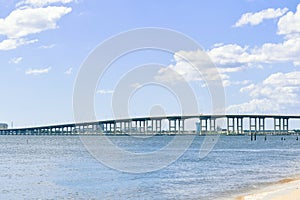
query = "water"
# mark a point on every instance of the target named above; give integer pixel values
(59, 167)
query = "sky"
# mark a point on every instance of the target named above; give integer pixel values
(255, 45)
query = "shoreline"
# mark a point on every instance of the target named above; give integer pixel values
(285, 189)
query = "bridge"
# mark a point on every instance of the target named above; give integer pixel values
(153, 125)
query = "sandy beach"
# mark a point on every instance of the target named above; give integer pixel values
(286, 189)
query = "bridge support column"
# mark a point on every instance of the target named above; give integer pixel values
(129, 126)
(172, 125)
(181, 126)
(203, 125)
(230, 126)
(158, 126)
(212, 124)
(146, 126)
(126, 127)
(261, 125)
(104, 127)
(115, 127)
(239, 122)
(108, 127)
(285, 125)
(253, 127)
(277, 126)
(118, 127)
(134, 128)
(94, 128)
(139, 127)
(152, 126)
(143, 127)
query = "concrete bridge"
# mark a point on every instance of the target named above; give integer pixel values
(153, 125)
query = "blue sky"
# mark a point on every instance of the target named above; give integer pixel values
(255, 44)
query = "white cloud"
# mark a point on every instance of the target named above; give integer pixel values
(41, 3)
(10, 44)
(190, 65)
(290, 23)
(196, 66)
(258, 17)
(69, 71)
(105, 91)
(229, 54)
(38, 71)
(232, 58)
(16, 60)
(22, 22)
(254, 106)
(218, 44)
(277, 93)
(279, 86)
(287, 51)
(231, 69)
(136, 85)
(50, 46)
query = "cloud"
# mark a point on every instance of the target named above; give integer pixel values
(254, 106)
(38, 71)
(287, 51)
(22, 22)
(105, 91)
(16, 60)
(136, 85)
(231, 69)
(69, 71)
(25, 21)
(233, 58)
(228, 54)
(258, 17)
(50, 46)
(184, 69)
(41, 3)
(10, 44)
(290, 23)
(190, 65)
(277, 93)
(279, 86)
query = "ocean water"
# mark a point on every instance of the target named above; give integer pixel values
(59, 167)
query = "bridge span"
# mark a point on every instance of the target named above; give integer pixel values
(153, 125)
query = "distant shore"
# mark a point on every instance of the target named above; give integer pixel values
(286, 189)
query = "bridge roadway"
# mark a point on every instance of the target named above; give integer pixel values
(153, 125)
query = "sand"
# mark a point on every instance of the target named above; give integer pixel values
(287, 189)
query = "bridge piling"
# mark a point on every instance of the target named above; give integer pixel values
(277, 126)
(230, 125)
(285, 125)
(212, 122)
(239, 125)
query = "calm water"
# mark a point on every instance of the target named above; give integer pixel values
(59, 167)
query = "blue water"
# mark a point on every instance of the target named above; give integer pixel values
(59, 167)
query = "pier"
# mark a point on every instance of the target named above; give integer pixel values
(235, 124)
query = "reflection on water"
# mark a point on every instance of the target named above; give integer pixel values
(59, 167)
